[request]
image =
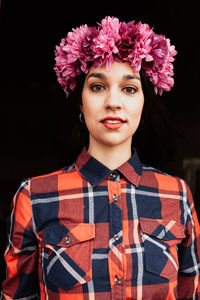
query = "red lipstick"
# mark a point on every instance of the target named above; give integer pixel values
(113, 123)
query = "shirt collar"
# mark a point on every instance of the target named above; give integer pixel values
(94, 171)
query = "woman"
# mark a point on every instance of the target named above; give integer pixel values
(107, 227)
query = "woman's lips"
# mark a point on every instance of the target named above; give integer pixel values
(113, 123)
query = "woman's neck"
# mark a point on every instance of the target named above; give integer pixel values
(110, 156)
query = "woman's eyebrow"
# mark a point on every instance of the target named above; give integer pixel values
(97, 75)
(130, 76)
(100, 75)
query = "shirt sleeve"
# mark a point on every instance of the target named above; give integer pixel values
(21, 254)
(189, 250)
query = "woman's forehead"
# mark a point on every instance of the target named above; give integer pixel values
(117, 71)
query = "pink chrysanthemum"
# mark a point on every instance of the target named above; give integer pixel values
(160, 70)
(104, 45)
(72, 56)
(115, 41)
(138, 39)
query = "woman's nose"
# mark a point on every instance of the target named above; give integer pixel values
(113, 101)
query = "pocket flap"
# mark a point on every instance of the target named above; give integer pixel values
(67, 267)
(69, 234)
(164, 229)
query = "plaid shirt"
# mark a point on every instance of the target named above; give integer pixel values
(86, 232)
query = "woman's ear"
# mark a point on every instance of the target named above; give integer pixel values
(81, 108)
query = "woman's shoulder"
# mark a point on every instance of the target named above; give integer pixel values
(53, 173)
(48, 182)
(161, 179)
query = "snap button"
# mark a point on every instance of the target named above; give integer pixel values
(115, 198)
(113, 174)
(117, 280)
(116, 237)
(67, 240)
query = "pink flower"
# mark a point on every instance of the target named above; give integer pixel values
(160, 71)
(135, 43)
(104, 45)
(72, 56)
(115, 41)
(77, 45)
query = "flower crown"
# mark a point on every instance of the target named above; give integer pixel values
(115, 41)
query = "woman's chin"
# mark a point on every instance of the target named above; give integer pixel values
(114, 141)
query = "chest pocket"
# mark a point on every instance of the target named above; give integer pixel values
(67, 255)
(160, 238)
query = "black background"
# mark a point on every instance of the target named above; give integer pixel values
(31, 99)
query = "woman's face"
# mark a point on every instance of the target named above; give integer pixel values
(112, 104)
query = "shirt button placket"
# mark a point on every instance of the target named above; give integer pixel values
(114, 190)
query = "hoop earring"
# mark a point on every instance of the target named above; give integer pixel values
(80, 118)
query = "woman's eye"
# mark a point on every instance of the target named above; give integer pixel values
(129, 89)
(97, 88)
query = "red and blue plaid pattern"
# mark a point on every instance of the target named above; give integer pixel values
(86, 232)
